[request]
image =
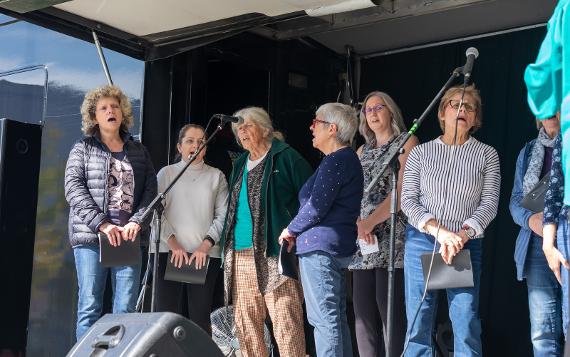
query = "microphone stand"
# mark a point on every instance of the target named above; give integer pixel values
(157, 208)
(393, 162)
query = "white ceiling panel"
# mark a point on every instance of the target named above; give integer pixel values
(145, 17)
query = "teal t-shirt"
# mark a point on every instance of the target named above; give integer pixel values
(243, 231)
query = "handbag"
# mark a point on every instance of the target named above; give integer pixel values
(534, 200)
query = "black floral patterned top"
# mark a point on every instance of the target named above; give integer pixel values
(371, 160)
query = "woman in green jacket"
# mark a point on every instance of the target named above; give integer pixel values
(263, 192)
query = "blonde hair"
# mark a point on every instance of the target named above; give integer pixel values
(89, 124)
(470, 91)
(396, 118)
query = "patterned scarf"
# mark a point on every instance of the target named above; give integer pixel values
(532, 175)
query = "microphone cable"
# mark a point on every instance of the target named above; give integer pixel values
(442, 210)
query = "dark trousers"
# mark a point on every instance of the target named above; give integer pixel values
(370, 299)
(180, 297)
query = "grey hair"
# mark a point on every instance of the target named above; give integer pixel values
(257, 115)
(345, 119)
(396, 121)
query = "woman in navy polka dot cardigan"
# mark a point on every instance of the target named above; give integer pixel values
(325, 229)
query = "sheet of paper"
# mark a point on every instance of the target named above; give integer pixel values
(366, 248)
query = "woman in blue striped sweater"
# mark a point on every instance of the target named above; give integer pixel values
(450, 194)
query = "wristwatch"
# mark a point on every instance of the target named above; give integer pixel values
(210, 239)
(469, 232)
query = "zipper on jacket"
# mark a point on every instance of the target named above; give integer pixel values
(106, 196)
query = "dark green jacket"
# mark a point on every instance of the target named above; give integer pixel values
(285, 173)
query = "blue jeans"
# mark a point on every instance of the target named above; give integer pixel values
(92, 278)
(463, 302)
(324, 288)
(563, 245)
(544, 302)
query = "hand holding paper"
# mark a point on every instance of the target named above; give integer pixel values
(286, 236)
(368, 248)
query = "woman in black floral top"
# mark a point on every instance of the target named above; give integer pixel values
(555, 221)
(382, 126)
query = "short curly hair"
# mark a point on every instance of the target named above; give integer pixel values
(89, 124)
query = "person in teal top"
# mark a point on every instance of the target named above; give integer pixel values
(548, 85)
(548, 80)
(263, 189)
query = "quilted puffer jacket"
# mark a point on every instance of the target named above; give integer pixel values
(86, 177)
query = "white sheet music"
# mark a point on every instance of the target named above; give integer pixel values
(366, 248)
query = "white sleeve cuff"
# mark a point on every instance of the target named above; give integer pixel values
(422, 222)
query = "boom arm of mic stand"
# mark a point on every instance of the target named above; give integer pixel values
(395, 153)
(156, 206)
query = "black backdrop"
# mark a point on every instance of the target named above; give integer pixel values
(412, 78)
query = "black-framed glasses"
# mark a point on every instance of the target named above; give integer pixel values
(374, 109)
(454, 103)
(315, 121)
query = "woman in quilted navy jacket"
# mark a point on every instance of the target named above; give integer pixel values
(109, 182)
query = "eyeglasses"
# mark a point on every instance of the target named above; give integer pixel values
(374, 109)
(192, 141)
(315, 121)
(453, 103)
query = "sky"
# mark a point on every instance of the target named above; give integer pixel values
(70, 61)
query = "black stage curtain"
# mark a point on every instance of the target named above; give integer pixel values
(412, 78)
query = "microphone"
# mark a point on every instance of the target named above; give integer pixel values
(471, 54)
(228, 118)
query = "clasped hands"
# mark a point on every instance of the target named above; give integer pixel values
(115, 233)
(450, 243)
(180, 256)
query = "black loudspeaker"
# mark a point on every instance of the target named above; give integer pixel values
(145, 335)
(20, 148)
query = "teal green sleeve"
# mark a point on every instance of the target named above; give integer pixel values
(544, 77)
